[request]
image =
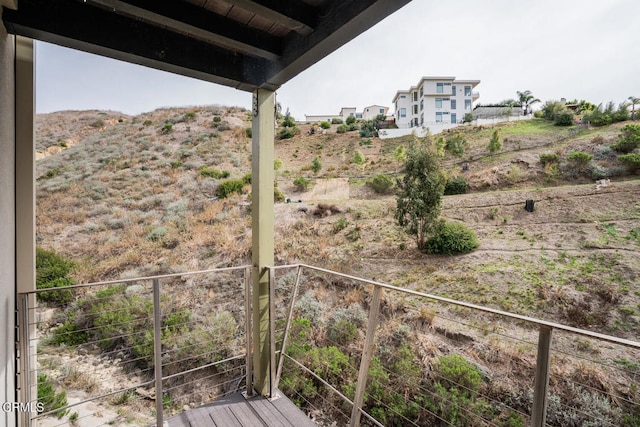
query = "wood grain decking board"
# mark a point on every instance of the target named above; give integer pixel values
(236, 411)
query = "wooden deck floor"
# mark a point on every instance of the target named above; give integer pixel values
(236, 411)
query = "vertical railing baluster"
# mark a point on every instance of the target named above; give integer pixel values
(25, 358)
(367, 352)
(272, 331)
(247, 327)
(286, 329)
(541, 384)
(157, 351)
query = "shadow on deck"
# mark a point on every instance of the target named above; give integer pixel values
(237, 411)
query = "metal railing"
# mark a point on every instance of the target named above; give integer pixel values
(384, 381)
(133, 350)
(345, 349)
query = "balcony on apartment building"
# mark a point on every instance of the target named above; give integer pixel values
(176, 350)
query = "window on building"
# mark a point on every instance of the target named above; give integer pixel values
(358, 115)
(382, 111)
(438, 117)
(439, 87)
(467, 91)
(415, 96)
(421, 119)
(403, 97)
(438, 102)
(421, 104)
(415, 109)
(453, 90)
(421, 91)
(403, 112)
(467, 104)
(454, 118)
(453, 104)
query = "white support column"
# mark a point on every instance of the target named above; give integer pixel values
(7, 222)
(25, 201)
(262, 176)
(25, 165)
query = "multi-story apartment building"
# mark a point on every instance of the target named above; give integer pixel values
(435, 100)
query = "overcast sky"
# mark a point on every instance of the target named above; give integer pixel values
(584, 49)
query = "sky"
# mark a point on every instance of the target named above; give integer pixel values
(573, 49)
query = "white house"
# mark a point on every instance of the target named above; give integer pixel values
(435, 101)
(367, 113)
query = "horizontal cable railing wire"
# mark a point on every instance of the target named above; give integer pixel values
(106, 332)
(453, 387)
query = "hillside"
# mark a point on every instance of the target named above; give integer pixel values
(124, 197)
(134, 196)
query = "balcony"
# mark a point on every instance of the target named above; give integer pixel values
(176, 350)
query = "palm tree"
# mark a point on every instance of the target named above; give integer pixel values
(634, 101)
(526, 99)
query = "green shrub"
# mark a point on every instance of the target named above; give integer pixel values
(350, 120)
(551, 109)
(278, 196)
(288, 132)
(629, 139)
(468, 118)
(457, 185)
(97, 124)
(316, 165)
(495, 144)
(368, 129)
(175, 164)
(580, 159)
(208, 172)
(217, 119)
(336, 121)
(248, 132)
(189, 116)
(301, 183)
(549, 158)
(631, 161)
(156, 234)
(325, 125)
(246, 179)
(69, 333)
(52, 271)
(147, 123)
(456, 387)
(230, 186)
(340, 225)
(358, 158)
(381, 183)
(168, 127)
(49, 398)
(342, 128)
(288, 121)
(564, 118)
(457, 145)
(277, 164)
(451, 238)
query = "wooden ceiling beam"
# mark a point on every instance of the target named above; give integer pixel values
(91, 29)
(199, 23)
(295, 15)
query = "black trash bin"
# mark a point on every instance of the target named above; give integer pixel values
(528, 206)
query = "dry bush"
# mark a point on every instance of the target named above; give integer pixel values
(323, 210)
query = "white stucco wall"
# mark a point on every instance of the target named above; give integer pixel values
(7, 224)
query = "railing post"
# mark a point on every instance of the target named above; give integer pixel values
(25, 358)
(247, 332)
(272, 332)
(288, 326)
(367, 352)
(539, 409)
(157, 351)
